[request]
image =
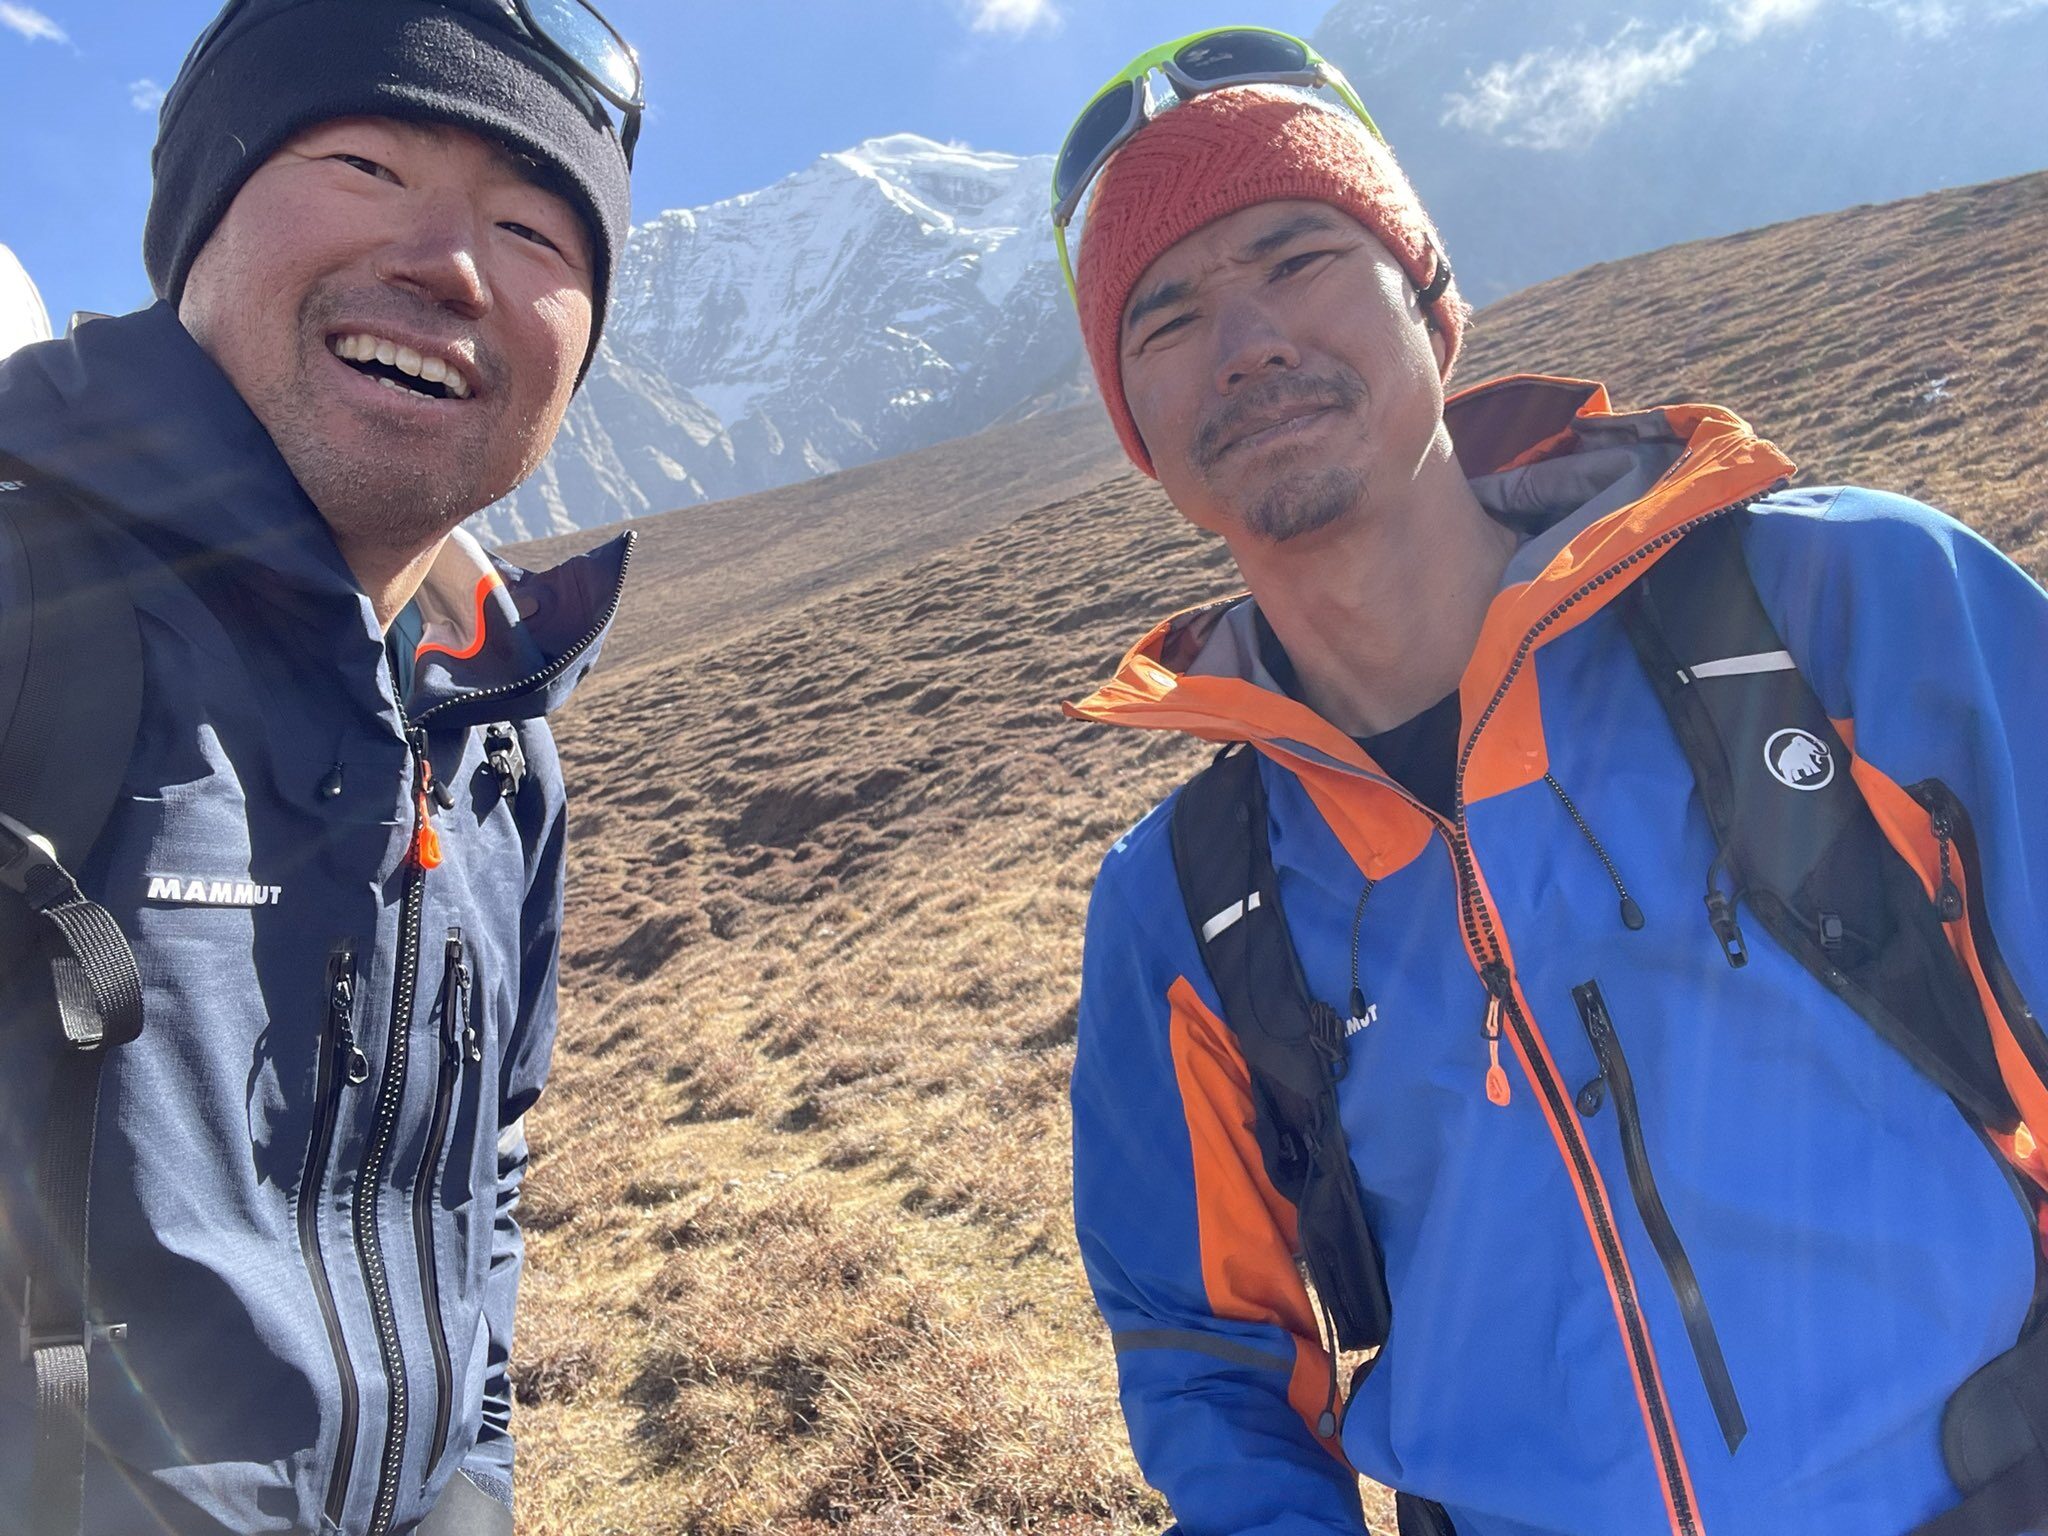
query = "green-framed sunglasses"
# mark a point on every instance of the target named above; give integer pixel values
(1202, 61)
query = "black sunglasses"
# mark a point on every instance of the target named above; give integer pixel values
(1206, 61)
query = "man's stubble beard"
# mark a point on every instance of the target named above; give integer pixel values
(1300, 504)
(407, 491)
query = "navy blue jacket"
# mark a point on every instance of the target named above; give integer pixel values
(307, 1166)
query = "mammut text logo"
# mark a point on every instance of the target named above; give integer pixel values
(194, 891)
(1799, 760)
(1364, 1020)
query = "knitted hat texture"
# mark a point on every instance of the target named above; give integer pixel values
(1213, 155)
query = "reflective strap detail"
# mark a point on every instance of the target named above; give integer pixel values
(1229, 917)
(1743, 666)
(1229, 1350)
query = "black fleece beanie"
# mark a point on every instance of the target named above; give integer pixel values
(279, 66)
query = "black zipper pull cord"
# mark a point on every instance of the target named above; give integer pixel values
(1326, 1329)
(341, 1005)
(1357, 933)
(454, 983)
(1721, 913)
(1631, 914)
(1948, 897)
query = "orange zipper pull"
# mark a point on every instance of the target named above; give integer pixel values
(1495, 976)
(426, 842)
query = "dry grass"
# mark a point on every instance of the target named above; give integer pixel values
(800, 1257)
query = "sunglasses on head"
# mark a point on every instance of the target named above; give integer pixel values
(1205, 61)
(570, 34)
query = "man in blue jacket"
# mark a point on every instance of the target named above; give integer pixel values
(382, 233)
(1673, 1239)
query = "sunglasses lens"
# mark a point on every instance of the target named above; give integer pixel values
(1095, 131)
(1226, 55)
(585, 38)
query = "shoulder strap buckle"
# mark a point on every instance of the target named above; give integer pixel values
(26, 860)
(34, 1340)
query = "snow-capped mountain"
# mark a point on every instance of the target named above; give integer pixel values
(22, 316)
(884, 298)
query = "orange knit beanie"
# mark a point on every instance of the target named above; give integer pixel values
(1213, 155)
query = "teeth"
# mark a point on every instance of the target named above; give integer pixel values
(364, 348)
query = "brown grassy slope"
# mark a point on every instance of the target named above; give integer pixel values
(730, 567)
(800, 1256)
(1903, 345)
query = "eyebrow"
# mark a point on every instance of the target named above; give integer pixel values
(1273, 239)
(1168, 294)
(1162, 297)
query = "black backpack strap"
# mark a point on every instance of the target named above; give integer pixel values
(1804, 852)
(1419, 1517)
(1798, 843)
(71, 691)
(1994, 1437)
(1293, 1044)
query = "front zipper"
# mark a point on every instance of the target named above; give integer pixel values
(1484, 944)
(1685, 1285)
(424, 854)
(458, 1040)
(341, 1064)
(1951, 825)
(383, 1127)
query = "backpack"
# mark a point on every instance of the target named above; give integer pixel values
(1813, 868)
(70, 707)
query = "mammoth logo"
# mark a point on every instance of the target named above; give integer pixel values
(1799, 760)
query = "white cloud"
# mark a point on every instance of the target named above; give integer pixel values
(1015, 16)
(30, 23)
(1551, 99)
(1925, 18)
(1749, 19)
(145, 95)
(1554, 98)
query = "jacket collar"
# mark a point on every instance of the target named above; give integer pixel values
(1595, 493)
(133, 415)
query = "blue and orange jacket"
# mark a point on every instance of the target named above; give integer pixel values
(308, 1164)
(1859, 1248)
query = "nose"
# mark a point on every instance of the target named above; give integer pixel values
(1248, 343)
(436, 255)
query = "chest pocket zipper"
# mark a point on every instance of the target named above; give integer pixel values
(342, 1066)
(1685, 1285)
(459, 1046)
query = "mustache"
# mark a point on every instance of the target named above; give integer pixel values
(1343, 391)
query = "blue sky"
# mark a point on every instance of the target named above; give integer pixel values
(743, 95)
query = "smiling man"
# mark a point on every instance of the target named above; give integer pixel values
(1603, 971)
(283, 821)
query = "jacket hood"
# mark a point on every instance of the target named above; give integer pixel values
(134, 416)
(1594, 493)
